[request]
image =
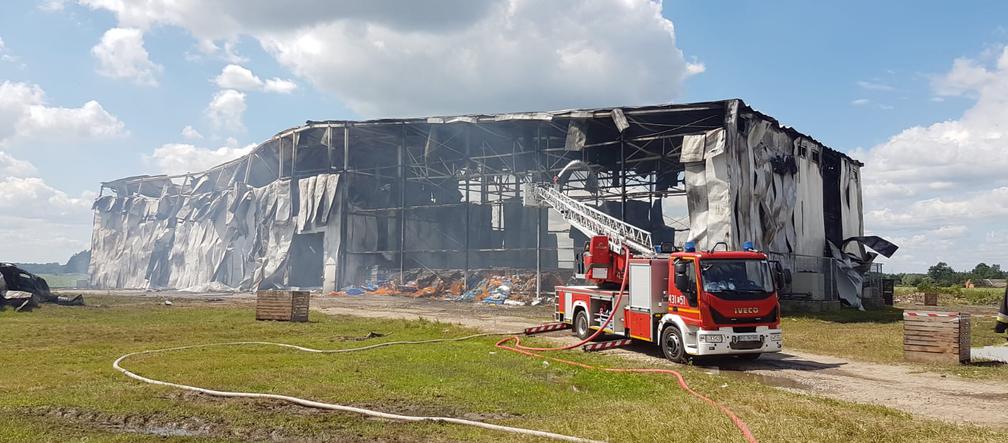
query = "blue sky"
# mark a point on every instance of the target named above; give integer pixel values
(855, 75)
(801, 61)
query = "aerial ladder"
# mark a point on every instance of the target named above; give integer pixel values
(688, 302)
(610, 239)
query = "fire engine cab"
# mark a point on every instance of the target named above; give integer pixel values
(688, 302)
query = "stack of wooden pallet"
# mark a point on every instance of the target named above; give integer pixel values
(936, 337)
(282, 305)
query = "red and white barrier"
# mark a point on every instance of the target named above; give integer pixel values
(595, 347)
(929, 314)
(548, 327)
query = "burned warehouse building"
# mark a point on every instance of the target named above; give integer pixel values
(333, 204)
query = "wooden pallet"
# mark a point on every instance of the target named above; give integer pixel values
(282, 305)
(936, 337)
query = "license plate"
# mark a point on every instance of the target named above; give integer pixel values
(747, 337)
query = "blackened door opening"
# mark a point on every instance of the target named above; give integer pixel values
(305, 262)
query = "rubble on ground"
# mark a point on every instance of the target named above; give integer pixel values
(485, 286)
(24, 290)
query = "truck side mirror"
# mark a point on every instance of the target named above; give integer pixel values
(782, 277)
(682, 280)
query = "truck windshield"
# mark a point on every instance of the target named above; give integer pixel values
(737, 278)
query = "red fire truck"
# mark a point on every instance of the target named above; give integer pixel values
(688, 302)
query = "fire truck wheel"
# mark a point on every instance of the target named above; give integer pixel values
(672, 344)
(581, 325)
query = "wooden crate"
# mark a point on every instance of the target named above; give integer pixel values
(282, 305)
(936, 337)
(930, 299)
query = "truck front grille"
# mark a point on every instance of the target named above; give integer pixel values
(723, 320)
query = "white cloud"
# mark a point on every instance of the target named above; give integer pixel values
(967, 75)
(121, 55)
(52, 5)
(242, 79)
(209, 49)
(179, 158)
(31, 197)
(24, 114)
(5, 56)
(694, 68)
(190, 133)
(449, 56)
(948, 177)
(29, 206)
(12, 167)
(866, 102)
(24, 244)
(950, 231)
(279, 86)
(875, 86)
(237, 77)
(226, 109)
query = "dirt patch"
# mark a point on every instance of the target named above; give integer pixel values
(368, 336)
(136, 424)
(164, 426)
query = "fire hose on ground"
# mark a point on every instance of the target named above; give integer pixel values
(502, 344)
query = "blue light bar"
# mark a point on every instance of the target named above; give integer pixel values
(748, 246)
(689, 246)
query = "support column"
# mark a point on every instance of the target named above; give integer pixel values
(468, 209)
(345, 184)
(402, 207)
(295, 139)
(622, 167)
(539, 212)
(329, 146)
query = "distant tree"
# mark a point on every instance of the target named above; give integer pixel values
(926, 285)
(41, 268)
(944, 275)
(78, 263)
(997, 272)
(982, 270)
(912, 279)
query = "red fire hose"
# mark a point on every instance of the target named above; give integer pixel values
(529, 351)
(517, 347)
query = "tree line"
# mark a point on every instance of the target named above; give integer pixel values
(941, 274)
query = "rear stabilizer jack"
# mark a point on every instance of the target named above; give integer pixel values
(548, 327)
(595, 347)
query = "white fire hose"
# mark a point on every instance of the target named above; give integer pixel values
(332, 406)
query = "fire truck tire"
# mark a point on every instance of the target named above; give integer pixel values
(749, 357)
(581, 329)
(672, 344)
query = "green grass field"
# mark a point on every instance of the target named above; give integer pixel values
(57, 384)
(877, 336)
(63, 280)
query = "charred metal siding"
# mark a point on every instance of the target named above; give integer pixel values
(392, 195)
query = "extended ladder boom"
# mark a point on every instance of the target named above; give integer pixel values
(592, 222)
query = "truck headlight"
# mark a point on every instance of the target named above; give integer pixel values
(776, 336)
(712, 338)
